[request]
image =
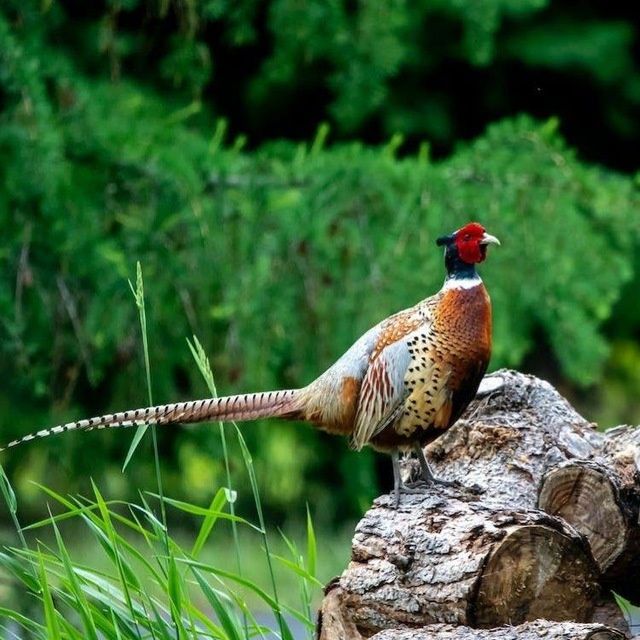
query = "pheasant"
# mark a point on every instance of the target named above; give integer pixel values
(399, 387)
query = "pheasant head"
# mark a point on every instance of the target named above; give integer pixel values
(465, 248)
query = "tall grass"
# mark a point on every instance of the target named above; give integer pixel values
(153, 586)
(146, 591)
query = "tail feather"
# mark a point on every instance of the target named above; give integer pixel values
(249, 406)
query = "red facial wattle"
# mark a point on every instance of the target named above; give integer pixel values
(471, 251)
(468, 242)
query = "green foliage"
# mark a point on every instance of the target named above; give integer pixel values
(371, 67)
(602, 49)
(279, 256)
(482, 20)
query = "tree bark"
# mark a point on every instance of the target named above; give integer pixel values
(600, 497)
(537, 630)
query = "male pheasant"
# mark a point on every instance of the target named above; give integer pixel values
(400, 386)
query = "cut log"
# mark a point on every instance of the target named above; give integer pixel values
(445, 557)
(516, 429)
(538, 630)
(600, 497)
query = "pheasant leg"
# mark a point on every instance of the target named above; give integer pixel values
(427, 474)
(428, 479)
(398, 485)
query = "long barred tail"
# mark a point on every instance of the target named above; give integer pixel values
(249, 406)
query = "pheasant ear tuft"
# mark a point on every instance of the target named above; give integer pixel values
(443, 240)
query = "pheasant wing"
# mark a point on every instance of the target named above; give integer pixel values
(382, 393)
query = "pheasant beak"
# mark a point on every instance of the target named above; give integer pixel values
(489, 239)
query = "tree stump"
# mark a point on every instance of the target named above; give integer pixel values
(538, 630)
(483, 561)
(600, 497)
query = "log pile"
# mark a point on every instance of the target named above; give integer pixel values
(543, 528)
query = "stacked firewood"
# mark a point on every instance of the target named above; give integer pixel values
(543, 527)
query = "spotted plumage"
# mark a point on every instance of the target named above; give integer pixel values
(399, 386)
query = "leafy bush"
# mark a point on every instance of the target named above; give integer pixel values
(278, 257)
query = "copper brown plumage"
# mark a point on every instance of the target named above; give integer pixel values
(398, 387)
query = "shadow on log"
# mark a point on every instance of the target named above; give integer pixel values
(449, 556)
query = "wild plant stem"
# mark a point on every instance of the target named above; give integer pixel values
(205, 369)
(265, 538)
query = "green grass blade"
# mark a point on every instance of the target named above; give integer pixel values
(27, 575)
(215, 507)
(75, 588)
(10, 498)
(175, 593)
(303, 618)
(109, 546)
(630, 612)
(161, 628)
(137, 438)
(50, 614)
(73, 509)
(8, 492)
(298, 570)
(116, 628)
(110, 531)
(203, 364)
(248, 461)
(102, 622)
(251, 626)
(195, 510)
(100, 583)
(245, 582)
(274, 605)
(138, 295)
(26, 623)
(312, 546)
(158, 528)
(223, 610)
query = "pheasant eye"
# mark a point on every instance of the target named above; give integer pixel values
(467, 237)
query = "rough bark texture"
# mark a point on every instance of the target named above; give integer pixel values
(600, 497)
(537, 630)
(452, 556)
(334, 622)
(516, 429)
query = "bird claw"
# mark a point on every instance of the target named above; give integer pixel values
(474, 489)
(419, 486)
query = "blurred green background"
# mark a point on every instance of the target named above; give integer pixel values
(281, 169)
